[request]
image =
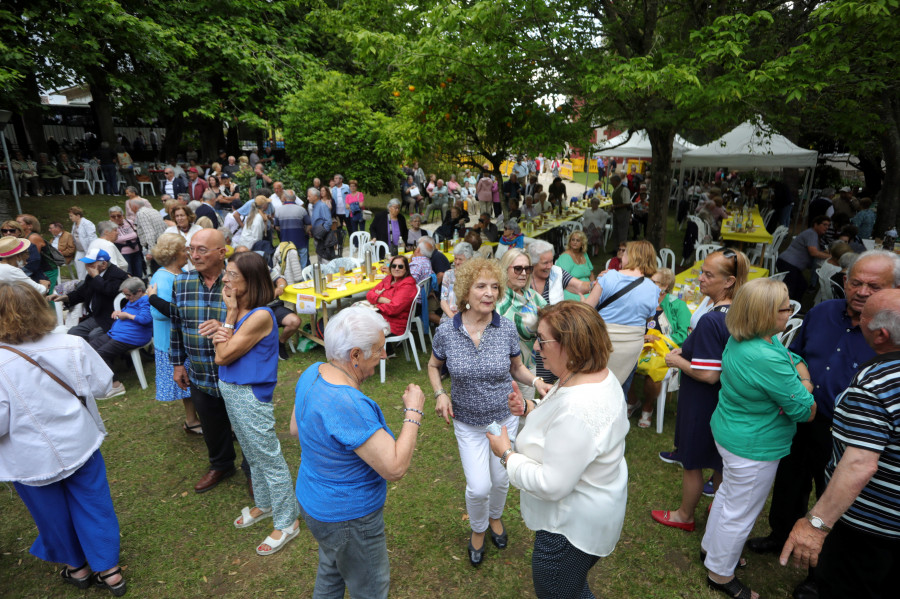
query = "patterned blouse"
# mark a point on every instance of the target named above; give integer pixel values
(522, 309)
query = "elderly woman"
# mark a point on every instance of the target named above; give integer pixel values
(520, 304)
(484, 191)
(626, 299)
(672, 319)
(512, 235)
(569, 457)
(454, 224)
(53, 420)
(411, 194)
(594, 223)
(184, 222)
(348, 455)
(13, 256)
(134, 203)
(355, 202)
(462, 252)
(575, 261)
(127, 242)
(132, 328)
(171, 255)
(700, 359)
(255, 223)
(247, 355)
(766, 391)
(47, 269)
(394, 296)
(415, 230)
(389, 226)
(482, 354)
(801, 255)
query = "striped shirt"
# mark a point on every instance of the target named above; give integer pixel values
(150, 225)
(867, 416)
(193, 304)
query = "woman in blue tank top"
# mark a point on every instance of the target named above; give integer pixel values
(247, 355)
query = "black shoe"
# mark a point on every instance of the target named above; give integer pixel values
(767, 544)
(807, 590)
(282, 351)
(500, 540)
(476, 556)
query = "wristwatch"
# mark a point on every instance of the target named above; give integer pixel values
(816, 522)
(228, 326)
(504, 456)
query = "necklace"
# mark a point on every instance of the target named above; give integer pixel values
(476, 334)
(347, 374)
(556, 388)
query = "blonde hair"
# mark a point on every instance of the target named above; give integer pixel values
(506, 261)
(24, 313)
(754, 310)
(576, 234)
(641, 256)
(167, 247)
(204, 222)
(468, 273)
(737, 265)
(666, 278)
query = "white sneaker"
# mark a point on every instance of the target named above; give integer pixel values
(116, 391)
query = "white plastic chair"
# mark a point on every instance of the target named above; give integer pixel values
(148, 184)
(702, 228)
(790, 330)
(135, 353)
(668, 258)
(357, 240)
(86, 178)
(771, 255)
(436, 236)
(571, 225)
(344, 262)
(778, 276)
(424, 289)
(406, 336)
(661, 399)
(702, 250)
(795, 305)
(381, 250)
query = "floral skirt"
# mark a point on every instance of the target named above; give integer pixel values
(166, 389)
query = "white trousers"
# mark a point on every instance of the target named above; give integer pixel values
(486, 480)
(80, 269)
(739, 500)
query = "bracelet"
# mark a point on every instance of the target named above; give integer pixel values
(504, 456)
(416, 422)
(525, 413)
(228, 326)
(535, 380)
(419, 412)
(807, 380)
(439, 392)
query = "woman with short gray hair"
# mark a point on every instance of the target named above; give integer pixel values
(348, 455)
(389, 226)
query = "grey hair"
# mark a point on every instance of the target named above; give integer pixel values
(393, 202)
(889, 320)
(464, 248)
(184, 197)
(194, 204)
(132, 189)
(894, 259)
(289, 195)
(114, 210)
(209, 195)
(513, 226)
(537, 248)
(132, 285)
(314, 191)
(426, 246)
(104, 227)
(847, 259)
(415, 216)
(226, 233)
(353, 327)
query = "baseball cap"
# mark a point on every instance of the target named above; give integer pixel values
(225, 176)
(193, 169)
(10, 246)
(95, 255)
(846, 189)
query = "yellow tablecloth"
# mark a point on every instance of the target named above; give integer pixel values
(692, 295)
(572, 213)
(758, 235)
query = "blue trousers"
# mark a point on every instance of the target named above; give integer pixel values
(75, 518)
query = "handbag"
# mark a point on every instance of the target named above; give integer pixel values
(652, 361)
(59, 381)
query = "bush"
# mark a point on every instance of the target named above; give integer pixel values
(329, 127)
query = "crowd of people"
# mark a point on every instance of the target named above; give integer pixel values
(540, 354)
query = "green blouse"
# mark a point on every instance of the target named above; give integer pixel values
(579, 271)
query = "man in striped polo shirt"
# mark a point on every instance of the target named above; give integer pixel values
(860, 555)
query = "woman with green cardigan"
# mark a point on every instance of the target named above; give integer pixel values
(765, 392)
(673, 319)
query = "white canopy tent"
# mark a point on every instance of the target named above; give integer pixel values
(639, 146)
(748, 146)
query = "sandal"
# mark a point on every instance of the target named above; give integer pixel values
(644, 422)
(196, 429)
(245, 519)
(276, 545)
(82, 583)
(117, 589)
(632, 408)
(733, 588)
(742, 563)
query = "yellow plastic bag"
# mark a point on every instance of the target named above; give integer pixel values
(652, 361)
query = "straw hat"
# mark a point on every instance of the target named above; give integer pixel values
(11, 246)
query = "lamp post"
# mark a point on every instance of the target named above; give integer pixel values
(5, 115)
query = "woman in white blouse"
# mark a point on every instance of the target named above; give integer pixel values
(569, 458)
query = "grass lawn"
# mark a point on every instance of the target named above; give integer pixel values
(176, 543)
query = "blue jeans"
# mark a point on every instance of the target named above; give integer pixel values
(352, 554)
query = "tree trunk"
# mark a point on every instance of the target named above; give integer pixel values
(101, 104)
(889, 196)
(210, 138)
(232, 143)
(870, 165)
(32, 119)
(661, 177)
(174, 131)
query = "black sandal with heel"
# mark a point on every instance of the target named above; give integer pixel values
(733, 588)
(81, 583)
(117, 589)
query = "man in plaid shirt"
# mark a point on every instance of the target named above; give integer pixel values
(150, 225)
(197, 311)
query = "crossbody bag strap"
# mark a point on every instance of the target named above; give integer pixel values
(58, 380)
(620, 292)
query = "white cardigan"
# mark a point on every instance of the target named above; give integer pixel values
(570, 465)
(45, 432)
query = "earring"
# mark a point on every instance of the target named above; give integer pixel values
(468, 307)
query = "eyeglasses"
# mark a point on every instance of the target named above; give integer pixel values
(9, 230)
(620, 250)
(785, 309)
(539, 342)
(200, 250)
(398, 266)
(520, 269)
(120, 215)
(231, 275)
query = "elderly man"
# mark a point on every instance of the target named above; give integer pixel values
(259, 181)
(277, 197)
(150, 225)
(100, 288)
(420, 264)
(198, 310)
(852, 535)
(339, 192)
(319, 217)
(440, 197)
(208, 208)
(107, 233)
(196, 185)
(62, 241)
(291, 220)
(170, 185)
(834, 347)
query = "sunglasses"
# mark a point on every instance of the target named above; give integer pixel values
(520, 269)
(398, 266)
(9, 230)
